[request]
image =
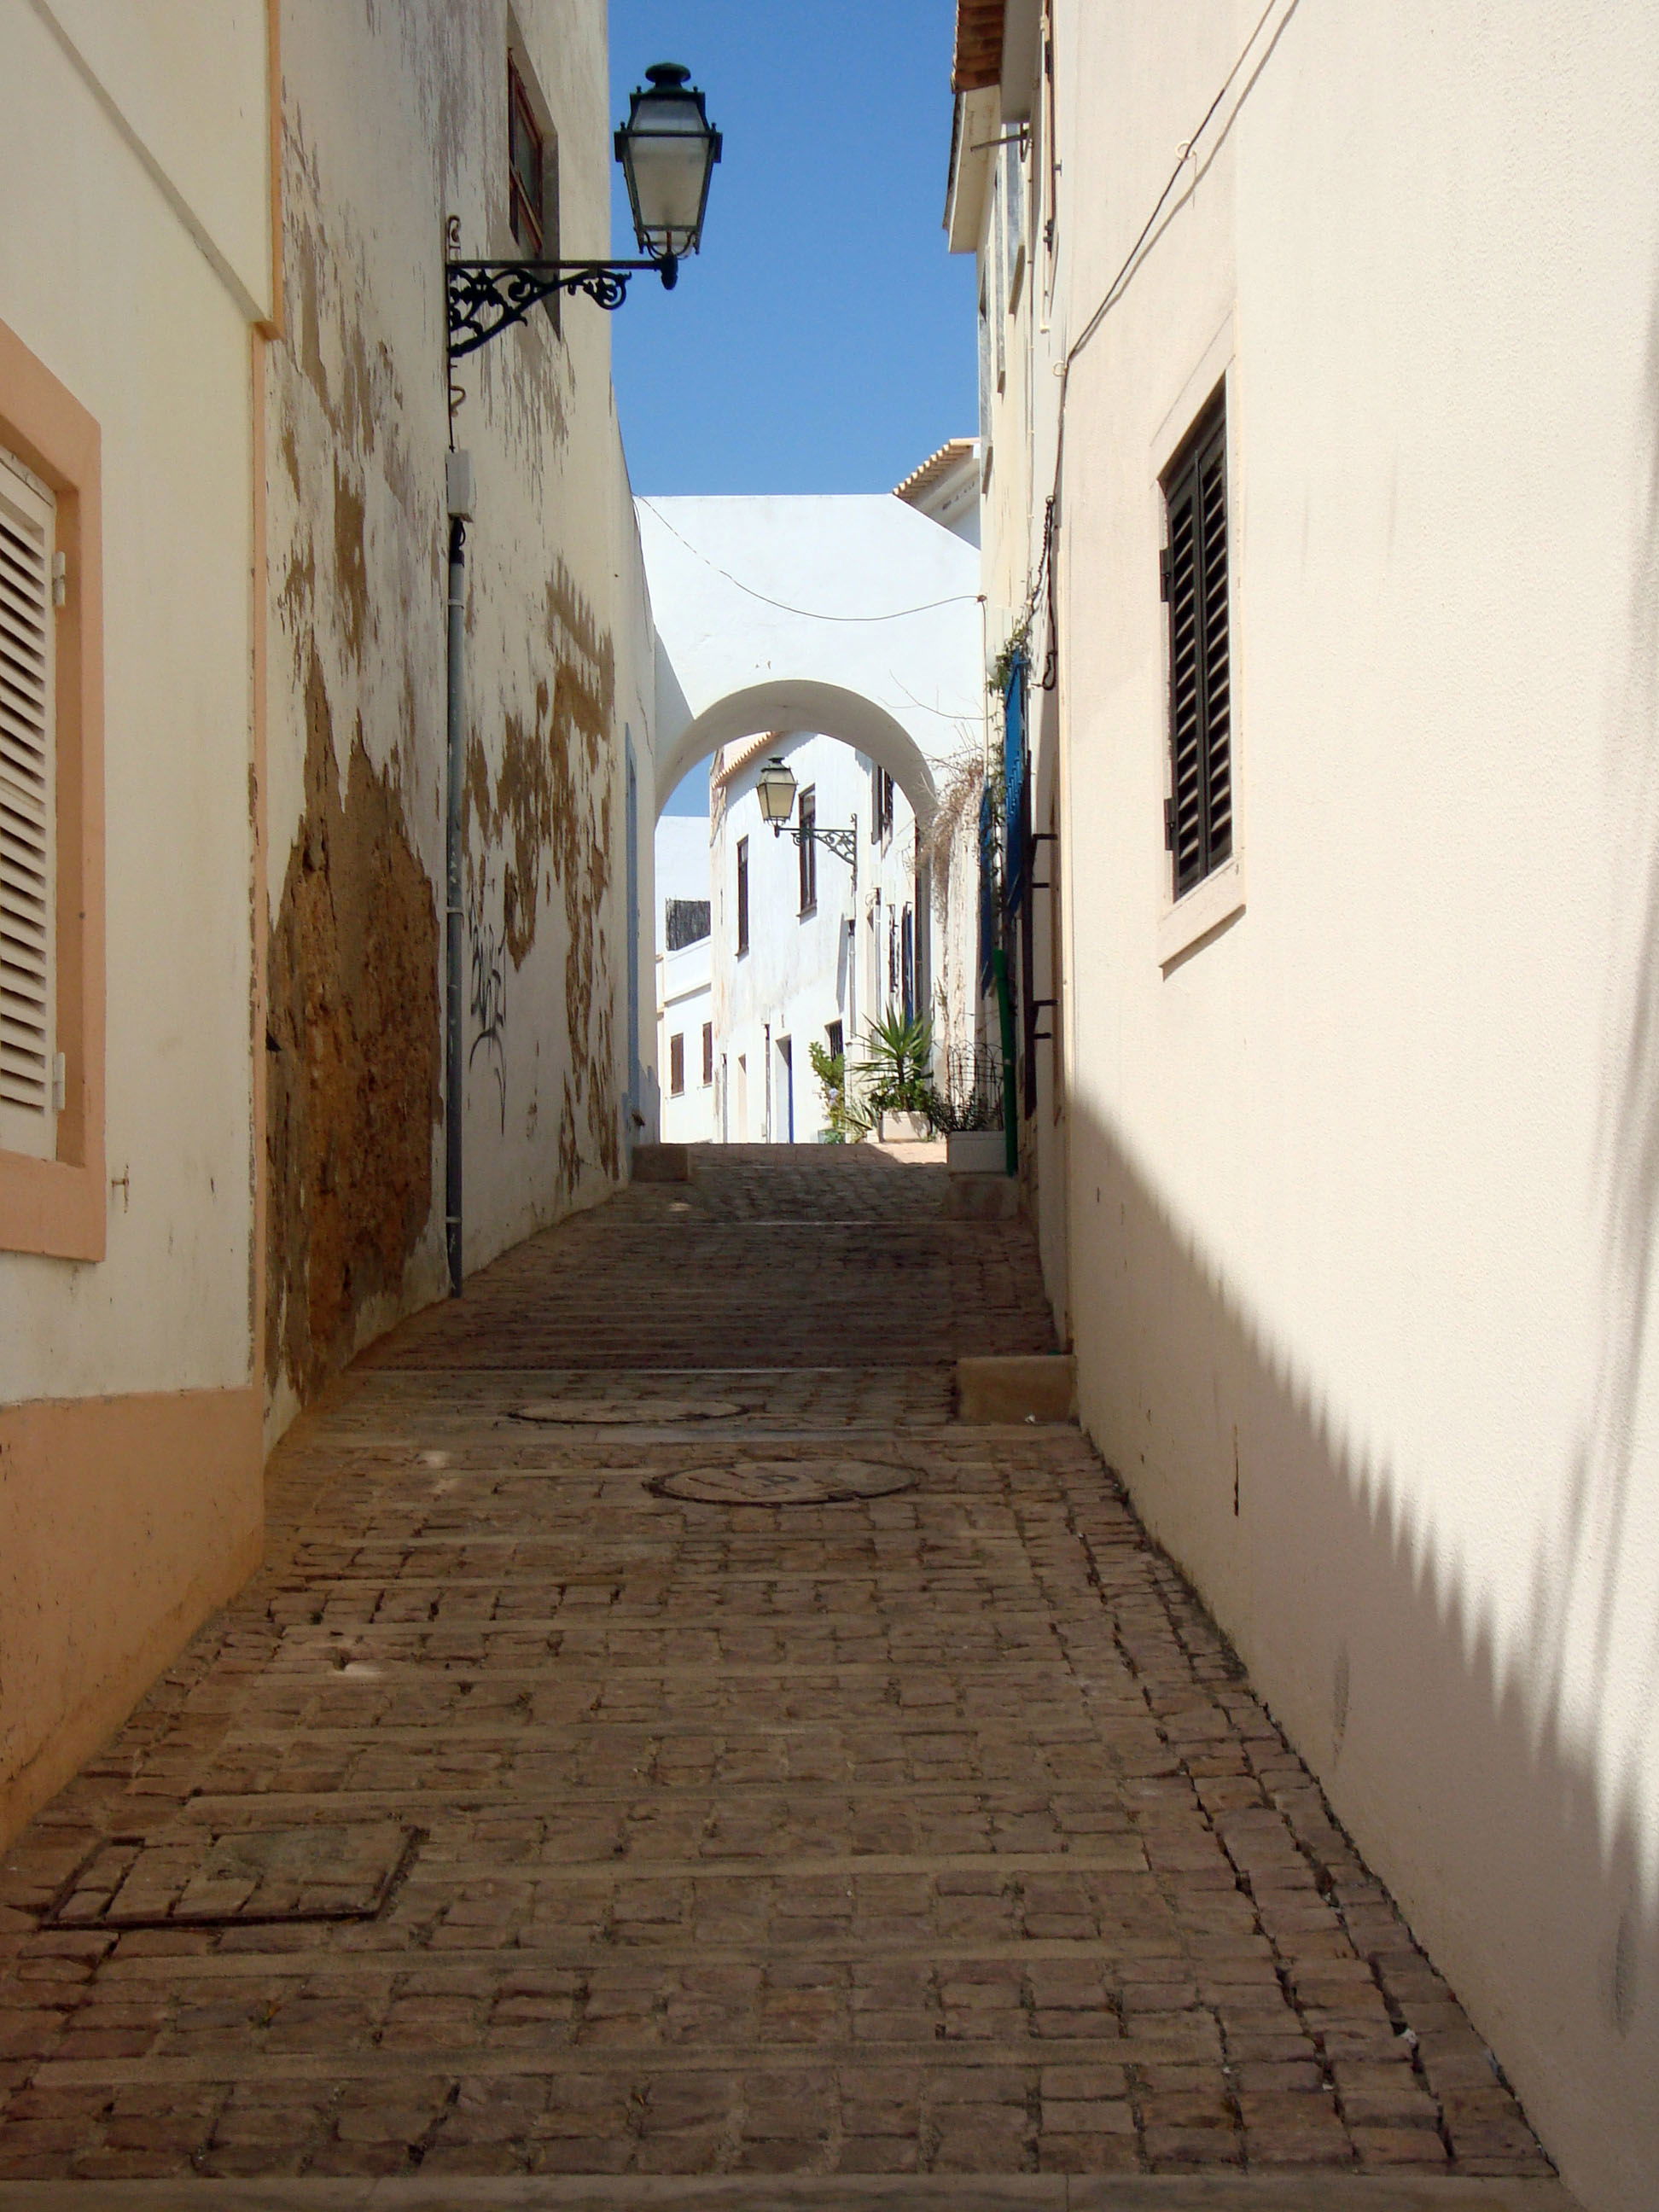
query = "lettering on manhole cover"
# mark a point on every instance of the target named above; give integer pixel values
(195, 1878)
(645, 1413)
(786, 1482)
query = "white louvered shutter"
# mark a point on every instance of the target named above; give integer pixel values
(28, 1120)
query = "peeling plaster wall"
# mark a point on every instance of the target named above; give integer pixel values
(393, 120)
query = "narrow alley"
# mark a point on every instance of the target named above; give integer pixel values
(663, 1741)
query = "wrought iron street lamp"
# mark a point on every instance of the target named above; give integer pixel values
(774, 788)
(668, 148)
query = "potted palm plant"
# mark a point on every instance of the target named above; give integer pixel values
(896, 1072)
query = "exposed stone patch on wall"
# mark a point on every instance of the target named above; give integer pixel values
(353, 1031)
(548, 805)
(350, 567)
(352, 1056)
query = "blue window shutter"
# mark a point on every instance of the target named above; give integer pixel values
(1014, 785)
(988, 935)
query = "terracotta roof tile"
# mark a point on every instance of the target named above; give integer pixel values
(979, 45)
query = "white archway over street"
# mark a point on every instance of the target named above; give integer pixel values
(855, 616)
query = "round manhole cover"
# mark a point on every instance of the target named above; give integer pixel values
(641, 1412)
(786, 1482)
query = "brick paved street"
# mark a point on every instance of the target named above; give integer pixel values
(934, 1831)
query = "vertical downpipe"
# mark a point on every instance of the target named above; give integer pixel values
(460, 486)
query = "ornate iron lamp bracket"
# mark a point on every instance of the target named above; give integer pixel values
(843, 843)
(487, 297)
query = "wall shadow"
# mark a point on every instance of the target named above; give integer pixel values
(1514, 1851)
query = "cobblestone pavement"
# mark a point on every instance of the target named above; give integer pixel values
(523, 1818)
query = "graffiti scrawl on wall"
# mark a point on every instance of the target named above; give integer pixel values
(487, 950)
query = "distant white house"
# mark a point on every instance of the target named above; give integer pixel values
(945, 488)
(810, 943)
(685, 1035)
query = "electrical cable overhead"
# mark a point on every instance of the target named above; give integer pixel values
(1115, 290)
(806, 614)
(1109, 299)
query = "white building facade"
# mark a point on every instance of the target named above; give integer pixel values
(1318, 363)
(811, 941)
(685, 1016)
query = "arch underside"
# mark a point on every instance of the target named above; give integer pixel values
(799, 708)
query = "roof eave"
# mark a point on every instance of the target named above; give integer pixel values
(977, 119)
(976, 60)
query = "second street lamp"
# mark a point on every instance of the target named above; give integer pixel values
(774, 789)
(668, 148)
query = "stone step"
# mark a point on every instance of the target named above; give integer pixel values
(1058, 2192)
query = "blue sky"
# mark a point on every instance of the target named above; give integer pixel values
(823, 340)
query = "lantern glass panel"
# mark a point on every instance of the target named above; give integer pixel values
(774, 788)
(668, 148)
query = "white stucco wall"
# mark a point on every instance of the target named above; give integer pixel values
(182, 84)
(1361, 1203)
(134, 267)
(104, 277)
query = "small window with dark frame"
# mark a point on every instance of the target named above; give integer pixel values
(743, 894)
(707, 1054)
(837, 1038)
(806, 851)
(676, 1065)
(527, 168)
(1197, 822)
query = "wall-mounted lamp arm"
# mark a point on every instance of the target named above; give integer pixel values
(487, 297)
(843, 843)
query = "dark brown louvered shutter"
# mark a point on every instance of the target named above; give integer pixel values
(1200, 826)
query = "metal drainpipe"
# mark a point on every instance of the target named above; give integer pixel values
(460, 486)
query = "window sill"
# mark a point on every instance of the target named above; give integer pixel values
(806, 913)
(51, 1208)
(1204, 910)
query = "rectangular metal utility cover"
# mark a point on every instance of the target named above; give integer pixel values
(197, 1877)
